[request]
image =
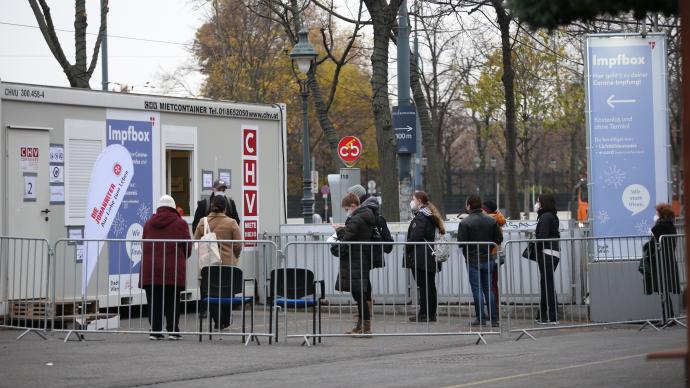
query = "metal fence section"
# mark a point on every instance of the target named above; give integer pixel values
(576, 282)
(120, 291)
(344, 277)
(672, 279)
(24, 298)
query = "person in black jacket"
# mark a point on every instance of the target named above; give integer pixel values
(355, 261)
(419, 258)
(661, 274)
(203, 206)
(475, 231)
(547, 256)
(377, 260)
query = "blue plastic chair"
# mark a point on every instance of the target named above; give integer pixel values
(220, 285)
(290, 287)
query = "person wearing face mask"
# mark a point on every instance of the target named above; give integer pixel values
(355, 261)
(203, 207)
(419, 258)
(547, 256)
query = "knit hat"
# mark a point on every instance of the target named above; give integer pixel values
(167, 201)
(490, 206)
(357, 190)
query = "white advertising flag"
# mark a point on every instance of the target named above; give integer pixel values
(110, 179)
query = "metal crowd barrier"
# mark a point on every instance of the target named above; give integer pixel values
(596, 281)
(672, 279)
(114, 302)
(25, 267)
(331, 312)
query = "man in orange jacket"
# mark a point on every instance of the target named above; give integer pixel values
(491, 209)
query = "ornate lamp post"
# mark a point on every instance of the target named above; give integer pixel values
(304, 55)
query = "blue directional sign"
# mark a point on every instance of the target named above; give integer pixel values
(405, 126)
(627, 132)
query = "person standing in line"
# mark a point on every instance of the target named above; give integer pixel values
(164, 267)
(419, 258)
(548, 256)
(473, 230)
(353, 275)
(491, 209)
(225, 228)
(372, 203)
(203, 207)
(661, 275)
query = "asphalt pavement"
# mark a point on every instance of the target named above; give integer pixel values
(603, 357)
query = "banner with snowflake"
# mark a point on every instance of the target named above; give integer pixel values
(135, 131)
(627, 133)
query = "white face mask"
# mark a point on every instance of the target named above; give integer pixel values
(537, 207)
(348, 212)
(656, 217)
(413, 205)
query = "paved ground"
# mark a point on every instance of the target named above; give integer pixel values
(613, 357)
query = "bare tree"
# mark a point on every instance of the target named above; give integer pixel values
(78, 73)
(383, 16)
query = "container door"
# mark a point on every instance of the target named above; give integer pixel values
(28, 191)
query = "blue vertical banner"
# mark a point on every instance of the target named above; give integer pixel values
(627, 132)
(405, 127)
(136, 132)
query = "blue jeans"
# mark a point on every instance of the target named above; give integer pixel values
(480, 281)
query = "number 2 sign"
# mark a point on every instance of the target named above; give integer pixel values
(349, 150)
(29, 188)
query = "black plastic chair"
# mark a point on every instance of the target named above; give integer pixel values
(290, 287)
(219, 286)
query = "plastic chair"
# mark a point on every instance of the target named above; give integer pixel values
(219, 286)
(290, 287)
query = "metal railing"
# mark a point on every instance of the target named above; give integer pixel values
(25, 267)
(393, 290)
(596, 281)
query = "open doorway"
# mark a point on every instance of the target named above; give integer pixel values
(179, 178)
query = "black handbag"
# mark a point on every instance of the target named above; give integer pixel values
(530, 252)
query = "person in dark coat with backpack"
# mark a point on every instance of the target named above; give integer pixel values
(419, 258)
(660, 270)
(377, 260)
(203, 207)
(355, 261)
(548, 255)
(164, 267)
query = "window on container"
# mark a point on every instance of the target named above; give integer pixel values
(179, 178)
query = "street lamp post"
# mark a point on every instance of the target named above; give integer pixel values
(303, 55)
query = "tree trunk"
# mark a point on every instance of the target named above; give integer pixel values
(509, 133)
(324, 121)
(78, 74)
(382, 17)
(430, 139)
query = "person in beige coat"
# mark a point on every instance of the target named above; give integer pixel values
(225, 228)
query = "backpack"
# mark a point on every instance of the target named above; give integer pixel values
(380, 233)
(207, 247)
(441, 252)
